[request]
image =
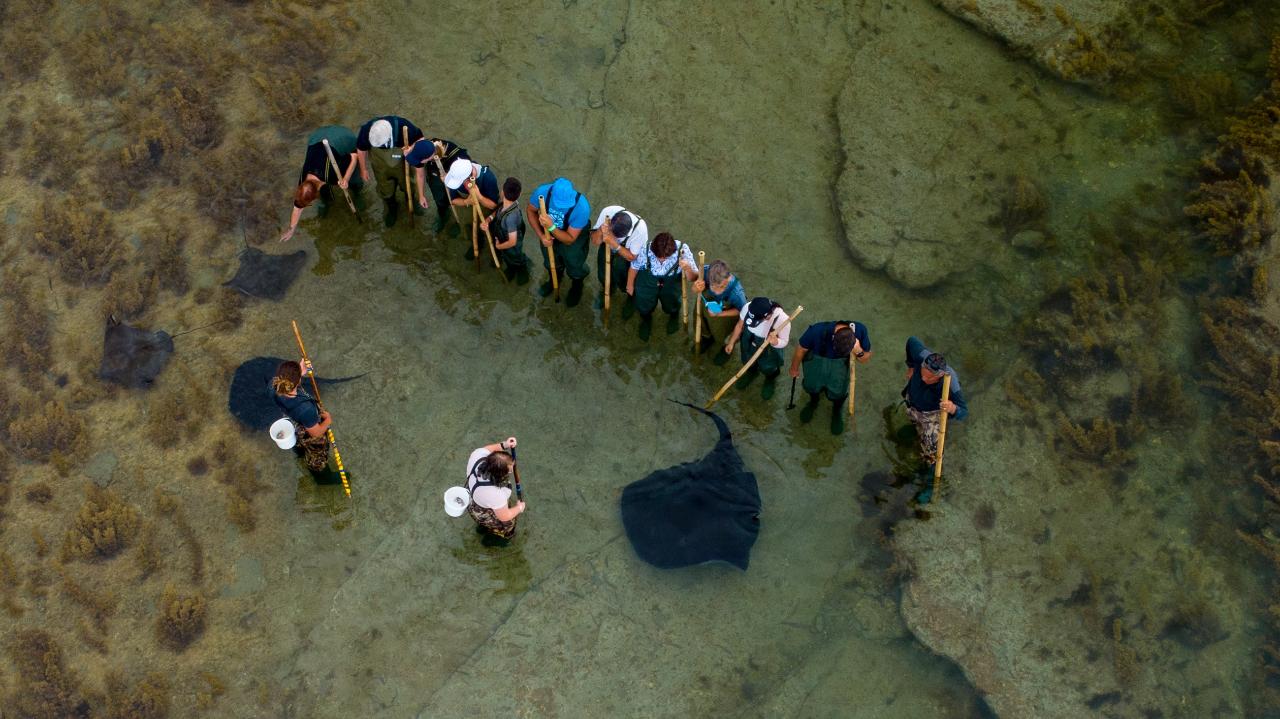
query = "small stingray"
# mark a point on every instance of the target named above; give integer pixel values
(696, 512)
(250, 399)
(267, 276)
(133, 357)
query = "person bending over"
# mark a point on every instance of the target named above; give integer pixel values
(655, 277)
(488, 470)
(825, 351)
(310, 423)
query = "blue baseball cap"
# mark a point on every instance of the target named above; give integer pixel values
(422, 151)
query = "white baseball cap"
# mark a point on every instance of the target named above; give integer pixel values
(456, 500)
(459, 172)
(380, 133)
(283, 434)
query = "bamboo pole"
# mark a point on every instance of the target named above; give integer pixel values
(329, 151)
(315, 387)
(551, 251)
(477, 217)
(853, 382)
(475, 224)
(608, 273)
(440, 166)
(768, 342)
(942, 432)
(684, 303)
(408, 186)
(697, 305)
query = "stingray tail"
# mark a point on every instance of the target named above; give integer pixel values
(724, 428)
(336, 380)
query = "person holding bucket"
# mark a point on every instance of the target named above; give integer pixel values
(486, 494)
(310, 423)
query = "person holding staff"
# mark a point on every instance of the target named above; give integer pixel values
(428, 158)
(760, 317)
(506, 226)
(621, 235)
(923, 397)
(380, 143)
(654, 277)
(318, 173)
(560, 232)
(310, 423)
(488, 470)
(825, 351)
(721, 294)
(463, 176)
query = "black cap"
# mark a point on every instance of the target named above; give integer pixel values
(759, 310)
(936, 363)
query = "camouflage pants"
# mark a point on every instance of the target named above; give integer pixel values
(313, 450)
(927, 424)
(490, 522)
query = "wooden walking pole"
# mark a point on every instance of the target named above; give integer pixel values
(454, 210)
(608, 277)
(684, 303)
(853, 382)
(768, 342)
(477, 217)
(315, 387)
(475, 227)
(329, 151)
(551, 251)
(697, 307)
(942, 432)
(408, 186)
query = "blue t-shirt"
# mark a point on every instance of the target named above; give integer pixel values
(820, 338)
(560, 193)
(733, 296)
(301, 408)
(420, 155)
(488, 183)
(928, 397)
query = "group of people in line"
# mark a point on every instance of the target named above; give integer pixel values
(400, 160)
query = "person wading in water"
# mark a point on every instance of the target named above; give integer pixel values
(488, 471)
(309, 422)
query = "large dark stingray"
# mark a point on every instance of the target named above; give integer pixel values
(267, 276)
(703, 511)
(133, 357)
(250, 399)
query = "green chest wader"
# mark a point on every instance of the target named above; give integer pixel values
(388, 170)
(770, 360)
(825, 373)
(572, 258)
(651, 288)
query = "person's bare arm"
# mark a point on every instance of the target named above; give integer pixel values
(345, 181)
(363, 157)
(508, 243)
(506, 514)
(420, 175)
(631, 281)
(566, 237)
(293, 224)
(796, 359)
(532, 214)
(733, 338)
(318, 429)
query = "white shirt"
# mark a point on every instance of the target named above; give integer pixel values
(774, 320)
(487, 497)
(639, 237)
